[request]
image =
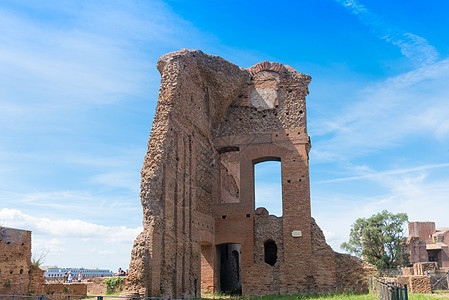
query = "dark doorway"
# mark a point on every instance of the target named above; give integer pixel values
(230, 268)
(435, 256)
(270, 252)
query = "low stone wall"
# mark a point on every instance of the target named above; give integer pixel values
(352, 273)
(422, 268)
(408, 271)
(416, 283)
(65, 289)
(95, 286)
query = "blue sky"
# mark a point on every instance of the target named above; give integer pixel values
(79, 85)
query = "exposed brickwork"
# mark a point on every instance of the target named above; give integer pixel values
(416, 283)
(36, 285)
(428, 244)
(423, 268)
(266, 66)
(17, 275)
(65, 289)
(213, 122)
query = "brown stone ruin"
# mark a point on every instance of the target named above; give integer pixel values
(426, 243)
(202, 233)
(17, 274)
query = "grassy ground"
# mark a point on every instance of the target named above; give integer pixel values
(329, 297)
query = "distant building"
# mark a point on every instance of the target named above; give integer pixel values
(428, 244)
(54, 272)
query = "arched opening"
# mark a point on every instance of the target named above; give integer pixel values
(230, 256)
(270, 252)
(268, 185)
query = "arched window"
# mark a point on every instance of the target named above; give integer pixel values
(270, 252)
(268, 185)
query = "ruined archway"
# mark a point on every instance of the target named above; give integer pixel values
(213, 122)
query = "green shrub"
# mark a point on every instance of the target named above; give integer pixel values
(111, 283)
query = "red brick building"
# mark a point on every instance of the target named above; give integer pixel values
(428, 244)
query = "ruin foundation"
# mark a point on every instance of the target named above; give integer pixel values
(202, 233)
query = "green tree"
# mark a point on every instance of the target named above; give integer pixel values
(379, 240)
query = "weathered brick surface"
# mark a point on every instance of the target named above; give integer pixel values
(416, 283)
(424, 267)
(352, 273)
(213, 122)
(426, 243)
(17, 275)
(65, 289)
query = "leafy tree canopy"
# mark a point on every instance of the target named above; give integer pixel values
(379, 240)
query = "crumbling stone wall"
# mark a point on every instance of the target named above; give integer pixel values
(416, 283)
(424, 267)
(17, 275)
(65, 289)
(213, 122)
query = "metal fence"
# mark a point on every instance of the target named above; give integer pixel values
(388, 290)
(439, 280)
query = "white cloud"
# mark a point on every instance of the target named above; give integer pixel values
(414, 47)
(98, 53)
(66, 227)
(414, 191)
(386, 115)
(370, 174)
(73, 242)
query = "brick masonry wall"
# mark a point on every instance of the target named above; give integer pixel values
(352, 273)
(422, 268)
(15, 261)
(213, 122)
(416, 283)
(65, 289)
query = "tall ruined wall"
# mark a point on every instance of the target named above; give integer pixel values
(176, 186)
(17, 275)
(214, 121)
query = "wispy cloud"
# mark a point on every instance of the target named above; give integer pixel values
(98, 53)
(386, 114)
(414, 47)
(421, 192)
(73, 242)
(372, 174)
(61, 228)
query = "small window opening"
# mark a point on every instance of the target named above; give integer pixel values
(223, 217)
(270, 252)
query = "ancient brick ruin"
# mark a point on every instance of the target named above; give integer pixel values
(17, 275)
(428, 244)
(214, 121)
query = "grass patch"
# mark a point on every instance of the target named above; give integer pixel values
(345, 296)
